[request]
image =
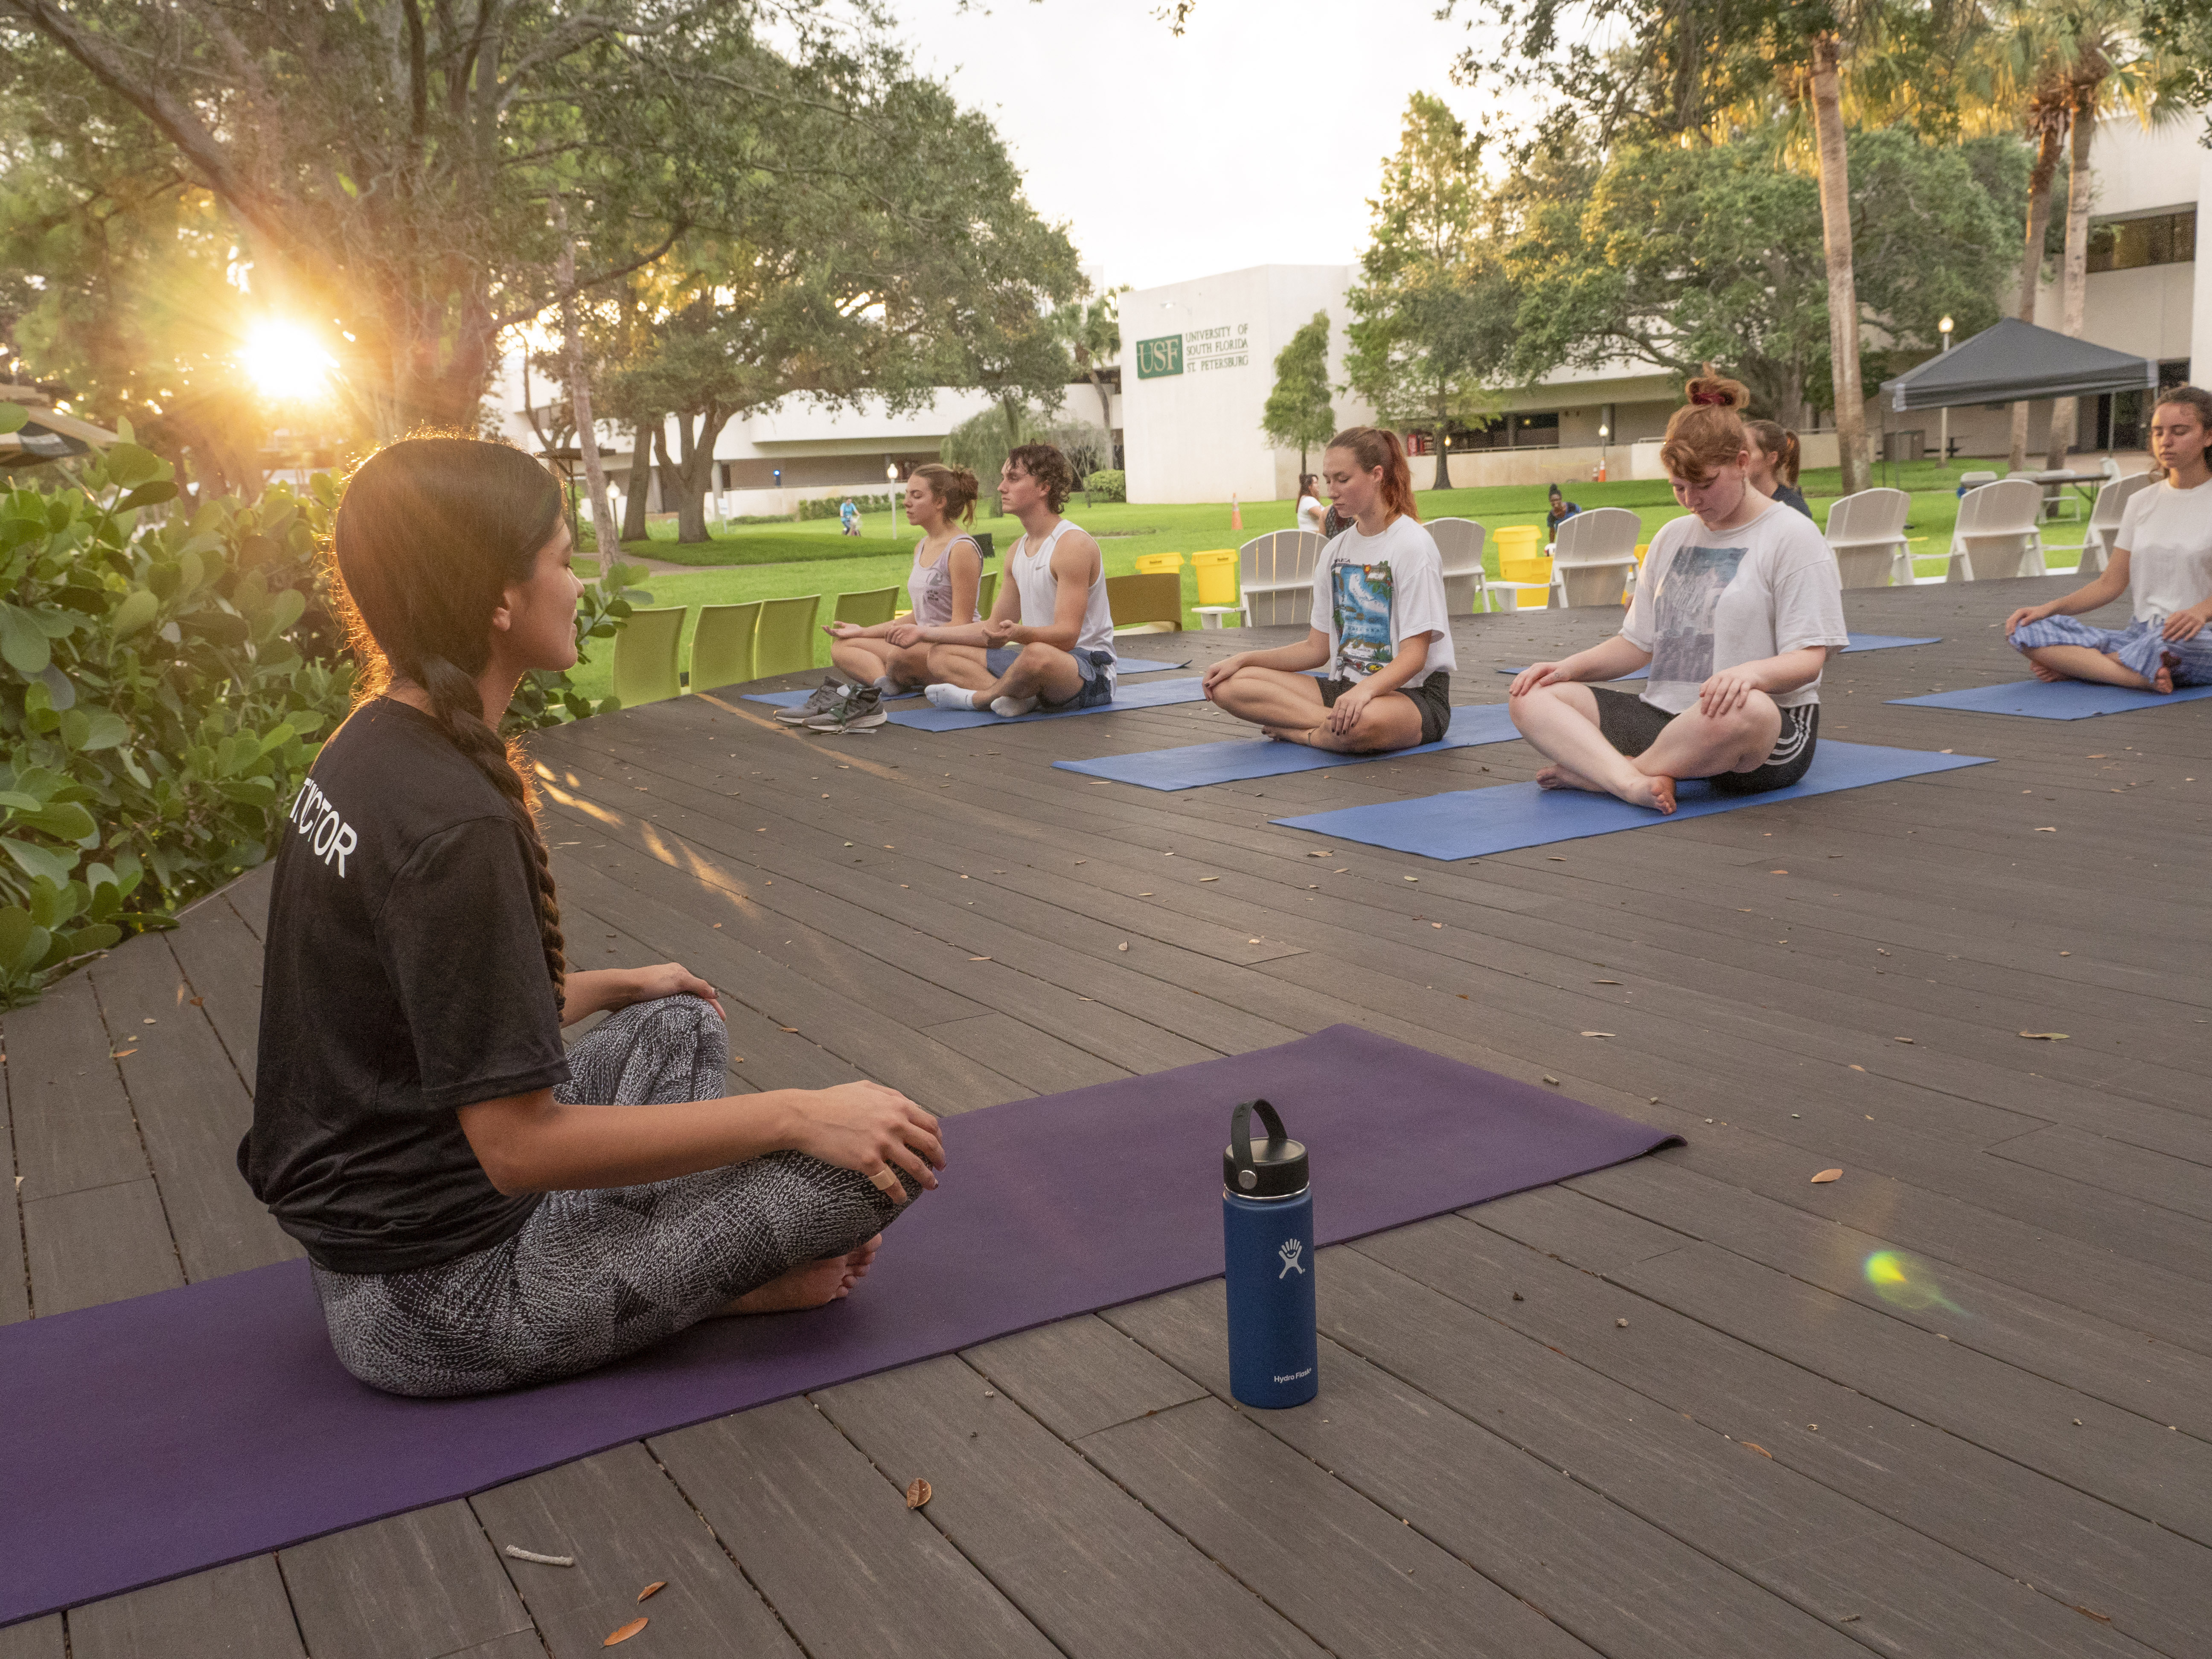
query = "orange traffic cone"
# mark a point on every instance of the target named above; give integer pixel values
(1236, 513)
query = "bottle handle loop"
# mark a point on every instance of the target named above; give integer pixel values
(1240, 1140)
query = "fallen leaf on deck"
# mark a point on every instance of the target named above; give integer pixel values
(1754, 1446)
(1597, 1034)
(979, 958)
(1553, 1081)
(793, 1029)
(1605, 982)
(654, 1589)
(1123, 945)
(1209, 878)
(625, 1632)
(121, 1053)
(917, 1494)
(1778, 872)
(201, 1002)
(2101, 1618)
(1827, 1175)
(2046, 828)
(1859, 1068)
(1900, 1039)
(2045, 1036)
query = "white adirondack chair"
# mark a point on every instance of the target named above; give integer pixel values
(1275, 577)
(1593, 557)
(1999, 532)
(1468, 586)
(1867, 533)
(2102, 532)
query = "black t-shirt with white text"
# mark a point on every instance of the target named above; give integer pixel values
(403, 979)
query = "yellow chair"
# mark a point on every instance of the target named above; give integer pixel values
(645, 657)
(722, 648)
(1150, 601)
(785, 642)
(1217, 575)
(1521, 559)
(1159, 564)
(986, 591)
(865, 610)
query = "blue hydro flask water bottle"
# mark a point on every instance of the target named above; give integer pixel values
(1267, 1227)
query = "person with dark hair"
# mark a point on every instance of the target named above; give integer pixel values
(890, 659)
(1312, 510)
(480, 1210)
(1379, 623)
(1774, 455)
(2163, 552)
(1737, 609)
(1562, 509)
(1049, 641)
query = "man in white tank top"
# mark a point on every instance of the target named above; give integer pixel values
(1049, 641)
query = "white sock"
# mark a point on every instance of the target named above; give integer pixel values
(1009, 707)
(950, 696)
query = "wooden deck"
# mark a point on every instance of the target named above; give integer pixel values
(2007, 1459)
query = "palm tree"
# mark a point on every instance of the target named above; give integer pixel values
(1091, 331)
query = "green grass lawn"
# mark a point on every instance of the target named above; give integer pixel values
(785, 561)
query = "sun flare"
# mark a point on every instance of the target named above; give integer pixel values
(286, 363)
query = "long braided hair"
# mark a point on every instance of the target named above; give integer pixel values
(428, 535)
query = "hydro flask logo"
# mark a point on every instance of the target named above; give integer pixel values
(1289, 1251)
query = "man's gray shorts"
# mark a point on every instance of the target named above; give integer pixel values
(1095, 667)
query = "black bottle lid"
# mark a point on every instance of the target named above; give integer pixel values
(1274, 1167)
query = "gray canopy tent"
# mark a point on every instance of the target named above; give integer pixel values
(2013, 361)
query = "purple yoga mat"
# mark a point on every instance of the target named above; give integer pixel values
(147, 1438)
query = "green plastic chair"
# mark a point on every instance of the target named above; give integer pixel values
(986, 592)
(645, 657)
(865, 610)
(722, 649)
(784, 643)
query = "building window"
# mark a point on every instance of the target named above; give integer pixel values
(2163, 239)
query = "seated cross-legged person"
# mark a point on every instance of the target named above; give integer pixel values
(1049, 641)
(1379, 623)
(483, 1209)
(1737, 610)
(2163, 552)
(947, 575)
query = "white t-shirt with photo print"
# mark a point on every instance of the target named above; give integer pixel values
(1371, 592)
(1710, 600)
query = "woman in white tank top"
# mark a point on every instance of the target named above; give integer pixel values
(946, 576)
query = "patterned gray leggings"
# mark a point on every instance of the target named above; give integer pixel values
(595, 1275)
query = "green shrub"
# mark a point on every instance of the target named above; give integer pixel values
(1110, 485)
(828, 506)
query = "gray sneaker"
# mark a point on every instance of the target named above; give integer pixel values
(860, 712)
(827, 695)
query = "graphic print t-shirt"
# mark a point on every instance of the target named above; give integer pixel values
(403, 980)
(1711, 599)
(1372, 592)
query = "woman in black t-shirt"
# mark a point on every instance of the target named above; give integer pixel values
(481, 1210)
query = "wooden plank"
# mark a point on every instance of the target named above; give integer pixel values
(233, 1612)
(808, 1518)
(1035, 1058)
(72, 1117)
(221, 959)
(421, 1585)
(1079, 1376)
(627, 1526)
(193, 1110)
(1360, 1579)
(2175, 1183)
(1086, 1563)
(97, 1244)
(34, 1638)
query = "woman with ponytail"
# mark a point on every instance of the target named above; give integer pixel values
(1379, 622)
(481, 1210)
(1737, 608)
(1774, 457)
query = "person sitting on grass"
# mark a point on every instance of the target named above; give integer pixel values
(480, 1210)
(1049, 641)
(1379, 623)
(1774, 460)
(1561, 510)
(2163, 551)
(891, 658)
(1737, 612)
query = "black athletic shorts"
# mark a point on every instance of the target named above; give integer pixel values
(1433, 696)
(1633, 726)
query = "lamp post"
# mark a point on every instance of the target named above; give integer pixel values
(1604, 438)
(890, 476)
(1944, 329)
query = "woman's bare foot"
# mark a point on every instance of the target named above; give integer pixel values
(2048, 676)
(812, 1285)
(2162, 681)
(1287, 734)
(1565, 777)
(1654, 790)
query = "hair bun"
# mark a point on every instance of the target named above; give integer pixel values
(1717, 391)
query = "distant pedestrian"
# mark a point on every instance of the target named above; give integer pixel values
(1312, 513)
(1562, 510)
(849, 516)
(1774, 456)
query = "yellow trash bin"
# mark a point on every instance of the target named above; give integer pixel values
(1521, 559)
(1159, 564)
(1217, 575)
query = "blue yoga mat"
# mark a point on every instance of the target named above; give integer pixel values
(147, 1438)
(1467, 824)
(1126, 664)
(2068, 699)
(1262, 758)
(1151, 694)
(1858, 642)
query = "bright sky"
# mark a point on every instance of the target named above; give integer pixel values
(1257, 137)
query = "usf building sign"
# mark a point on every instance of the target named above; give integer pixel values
(1202, 349)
